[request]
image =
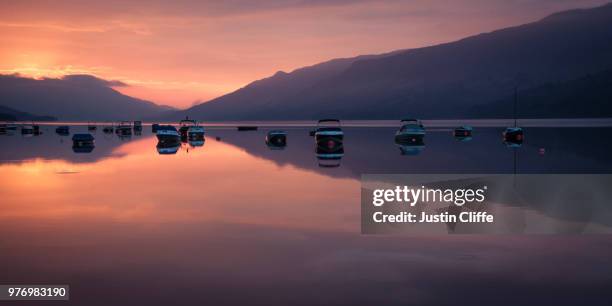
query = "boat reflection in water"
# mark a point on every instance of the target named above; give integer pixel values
(109, 129)
(330, 157)
(168, 148)
(196, 143)
(410, 147)
(276, 140)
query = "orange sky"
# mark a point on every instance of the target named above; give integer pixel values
(180, 52)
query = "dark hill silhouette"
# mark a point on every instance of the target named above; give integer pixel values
(73, 97)
(585, 97)
(442, 81)
(9, 114)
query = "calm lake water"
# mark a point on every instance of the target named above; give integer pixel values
(236, 222)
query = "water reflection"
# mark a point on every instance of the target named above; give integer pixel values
(329, 156)
(110, 222)
(410, 147)
(371, 150)
(166, 148)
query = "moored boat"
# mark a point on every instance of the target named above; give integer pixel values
(83, 143)
(514, 136)
(124, 128)
(184, 126)
(411, 131)
(329, 133)
(276, 139)
(137, 125)
(27, 129)
(11, 126)
(463, 131)
(195, 132)
(62, 130)
(36, 129)
(167, 134)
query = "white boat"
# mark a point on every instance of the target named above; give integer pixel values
(167, 134)
(184, 126)
(195, 132)
(329, 131)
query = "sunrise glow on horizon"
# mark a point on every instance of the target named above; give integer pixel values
(186, 52)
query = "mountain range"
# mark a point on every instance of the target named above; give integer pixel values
(9, 114)
(73, 97)
(472, 77)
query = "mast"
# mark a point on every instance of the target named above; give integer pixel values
(515, 102)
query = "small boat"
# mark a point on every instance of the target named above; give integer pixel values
(411, 131)
(83, 140)
(167, 134)
(11, 126)
(276, 140)
(463, 131)
(195, 132)
(514, 136)
(329, 133)
(184, 126)
(108, 129)
(83, 143)
(329, 158)
(27, 129)
(124, 128)
(167, 148)
(154, 127)
(62, 130)
(247, 128)
(137, 125)
(36, 129)
(91, 127)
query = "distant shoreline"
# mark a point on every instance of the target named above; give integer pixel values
(577, 122)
